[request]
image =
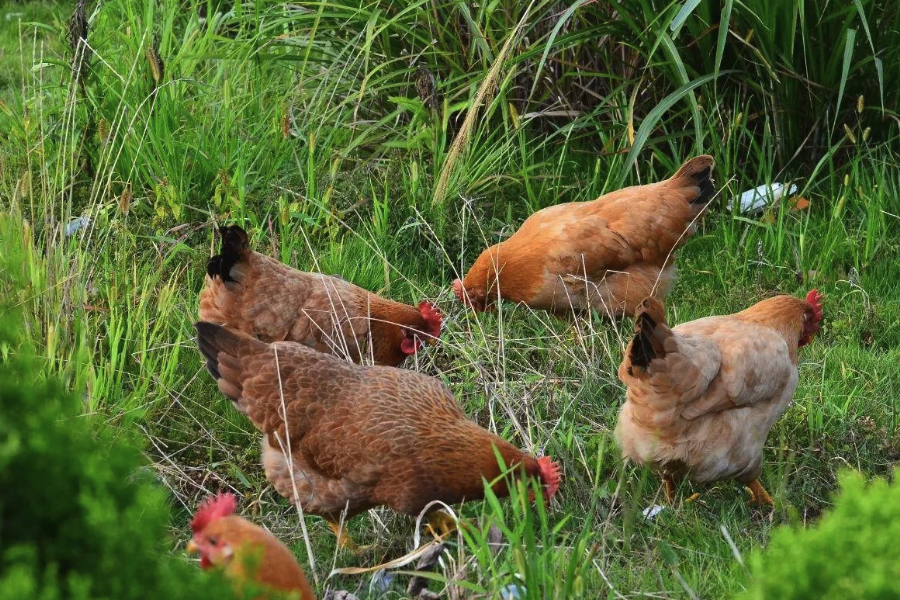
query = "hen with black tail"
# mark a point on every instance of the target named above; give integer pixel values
(271, 301)
(606, 255)
(702, 396)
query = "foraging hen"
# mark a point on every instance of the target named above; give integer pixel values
(274, 302)
(246, 552)
(343, 438)
(703, 396)
(608, 254)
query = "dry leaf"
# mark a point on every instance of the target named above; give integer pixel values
(417, 585)
(799, 203)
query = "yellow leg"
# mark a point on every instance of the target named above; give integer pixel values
(670, 488)
(344, 541)
(758, 494)
(441, 524)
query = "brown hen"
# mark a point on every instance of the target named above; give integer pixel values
(274, 302)
(608, 254)
(246, 552)
(703, 396)
(342, 438)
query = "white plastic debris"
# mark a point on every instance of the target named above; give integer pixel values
(756, 200)
(381, 580)
(75, 224)
(651, 511)
(512, 592)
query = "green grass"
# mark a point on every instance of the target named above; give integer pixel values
(303, 123)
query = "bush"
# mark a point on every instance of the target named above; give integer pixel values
(851, 553)
(80, 515)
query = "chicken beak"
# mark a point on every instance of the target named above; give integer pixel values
(192, 547)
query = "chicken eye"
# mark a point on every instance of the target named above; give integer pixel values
(213, 541)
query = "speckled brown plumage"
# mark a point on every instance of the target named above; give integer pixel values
(608, 254)
(703, 396)
(358, 436)
(274, 302)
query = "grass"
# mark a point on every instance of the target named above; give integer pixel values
(315, 127)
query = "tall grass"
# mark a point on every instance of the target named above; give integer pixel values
(325, 128)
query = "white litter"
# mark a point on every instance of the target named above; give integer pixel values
(756, 200)
(73, 226)
(651, 511)
(382, 580)
(513, 592)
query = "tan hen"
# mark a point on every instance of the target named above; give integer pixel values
(703, 396)
(608, 254)
(247, 553)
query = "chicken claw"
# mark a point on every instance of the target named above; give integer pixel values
(758, 494)
(441, 524)
(344, 540)
(669, 483)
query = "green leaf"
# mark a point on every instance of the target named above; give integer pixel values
(652, 118)
(563, 19)
(681, 17)
(845, 70)
(723, 34)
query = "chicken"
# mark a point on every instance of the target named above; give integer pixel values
(608, 254)
(265, 298)
(246, 552)
(703, 396)
(341, 438)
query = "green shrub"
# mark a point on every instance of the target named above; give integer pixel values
(851, 553)
(80, 515)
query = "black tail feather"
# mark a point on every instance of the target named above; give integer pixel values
(705, 182)
(649, 330)
(235, 249)
(642, 348)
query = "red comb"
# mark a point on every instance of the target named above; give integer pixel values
(458, 290)
(550, 474)
(212, 509)
(432, 317)
(813, 298)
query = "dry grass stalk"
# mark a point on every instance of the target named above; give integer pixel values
(481, 97)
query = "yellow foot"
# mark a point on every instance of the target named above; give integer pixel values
(441, 524)
(344, 541)
(670, 488)
(758, 494)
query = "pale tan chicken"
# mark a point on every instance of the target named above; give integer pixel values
(703, 396)
(608, 254)
(265, 298)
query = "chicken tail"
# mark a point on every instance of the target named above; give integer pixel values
(235, 249)
(223, 350)
(698, 172)
(650, 333)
